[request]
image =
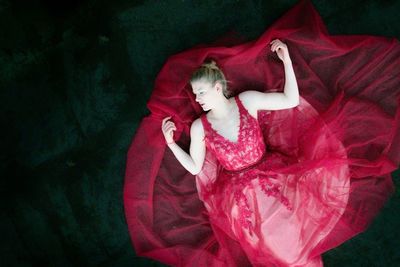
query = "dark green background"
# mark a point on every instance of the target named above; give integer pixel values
(74, 79)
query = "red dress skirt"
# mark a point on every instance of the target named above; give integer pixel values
(309, 178)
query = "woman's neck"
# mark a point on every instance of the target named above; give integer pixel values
(223, 109)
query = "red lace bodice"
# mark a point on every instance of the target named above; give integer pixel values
(249, 147)
(240, 161)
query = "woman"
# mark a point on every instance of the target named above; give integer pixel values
(279, 178)
(245, 199)
(210, 87)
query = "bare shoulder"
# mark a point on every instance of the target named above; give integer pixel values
(196, 130)
(248, 98)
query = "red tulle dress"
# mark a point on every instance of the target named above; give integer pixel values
(276, 208)
(298, 181)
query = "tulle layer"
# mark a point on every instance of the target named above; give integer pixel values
(306, 158)
(345, 132)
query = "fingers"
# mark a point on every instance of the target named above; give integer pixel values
(167, 126)
(170, 126)
(276, 44)
(165, 119)
(276, 41)
(169, 132)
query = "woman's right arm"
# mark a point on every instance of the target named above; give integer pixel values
(193, 162)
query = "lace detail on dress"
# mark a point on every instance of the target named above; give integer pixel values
(269, 185)
(236, 155)
(239, 160)
(271, 189)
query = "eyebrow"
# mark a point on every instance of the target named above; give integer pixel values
(194, 91)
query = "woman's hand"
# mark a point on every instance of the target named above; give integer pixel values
(168, 128)
(281, 50)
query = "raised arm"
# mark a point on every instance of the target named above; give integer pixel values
(275, 101)
(192, 162)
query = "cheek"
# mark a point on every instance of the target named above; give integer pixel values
(211, 97)
(208, 98)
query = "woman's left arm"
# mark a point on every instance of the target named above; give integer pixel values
(274, 101)
(290, 89)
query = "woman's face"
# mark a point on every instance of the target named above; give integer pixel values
(206, 94)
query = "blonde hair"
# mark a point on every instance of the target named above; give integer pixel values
(211, 73)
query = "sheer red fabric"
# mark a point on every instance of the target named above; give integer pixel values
(299, 182)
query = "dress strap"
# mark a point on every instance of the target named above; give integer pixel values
(240, 105)
(204, 122)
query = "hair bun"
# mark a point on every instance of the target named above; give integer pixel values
(211, 64)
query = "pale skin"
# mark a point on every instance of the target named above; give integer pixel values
(223, 113)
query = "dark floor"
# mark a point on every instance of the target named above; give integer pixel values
(75, 77)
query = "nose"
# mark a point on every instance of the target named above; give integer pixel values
(197, 98)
